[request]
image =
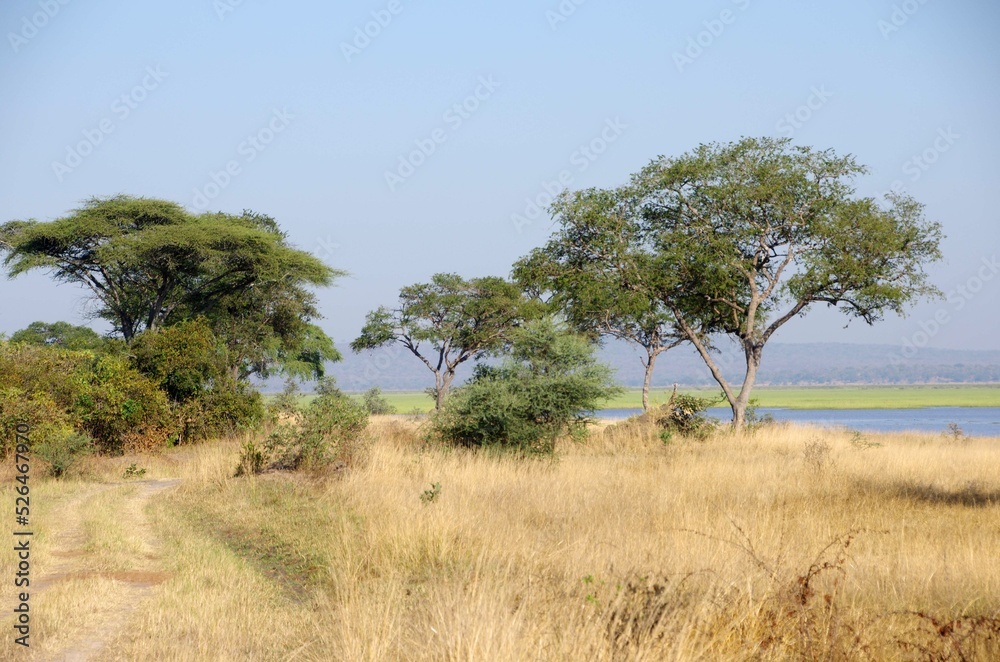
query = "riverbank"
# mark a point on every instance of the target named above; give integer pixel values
(800, 397)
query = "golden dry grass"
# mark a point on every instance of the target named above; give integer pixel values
(794, 543)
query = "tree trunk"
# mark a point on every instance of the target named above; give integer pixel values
(442, 383)
(650, 362)
(742, 401)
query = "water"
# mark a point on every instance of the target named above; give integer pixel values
(974, 421)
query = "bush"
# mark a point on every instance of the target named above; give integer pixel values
(285, 405)
(189, 364)
(58, 391)
(546, 388)
(63, 451)
(331, 433)
(685, 415)
(376, 404)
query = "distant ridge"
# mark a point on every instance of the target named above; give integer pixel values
(788, 364)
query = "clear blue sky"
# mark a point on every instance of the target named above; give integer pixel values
(884, 87)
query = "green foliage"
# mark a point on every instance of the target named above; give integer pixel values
(447, 322)
(376, 404)
(133, 471)
(184, 358)
(546, 388)
(431, 495)
(330, 434)
(63, 451)
(61, 335)
(190, 365)
(685, 415)
(285, 405)
(734, 240)
(595, 271)
(252, 459)
(150, 263)
(57, 392)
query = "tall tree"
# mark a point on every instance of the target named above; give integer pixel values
(749, 235)
(595, 269)
(446, 322)
(149, 263)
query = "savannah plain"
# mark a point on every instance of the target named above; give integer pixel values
(780, 543)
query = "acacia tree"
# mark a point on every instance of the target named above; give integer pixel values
(447, 322)
(749, 235)
(149, 263)
(595, 269)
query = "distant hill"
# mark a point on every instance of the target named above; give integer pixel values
(395, 369)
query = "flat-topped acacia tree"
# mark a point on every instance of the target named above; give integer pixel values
(746, 236)
(150, 263)
(447, 322)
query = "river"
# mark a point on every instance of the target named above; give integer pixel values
(974, 421)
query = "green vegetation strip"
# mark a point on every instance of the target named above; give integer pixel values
(271, 523)
(825, 397)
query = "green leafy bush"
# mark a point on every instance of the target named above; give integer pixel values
(330, 433)
(548, 385)
(686, 415)
(189, 364)
(61, 452)
(58, 391)
(376, 404)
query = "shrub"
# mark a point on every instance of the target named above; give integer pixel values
(686, 415)
(189, 364)
(184, 359)
(546, 388)
(57, 391)
(285, 405)
(119, 402)
(61, 452)
(331, 433)
(376, 404)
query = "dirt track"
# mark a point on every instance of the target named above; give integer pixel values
(129, 587)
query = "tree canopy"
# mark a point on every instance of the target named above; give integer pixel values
(732, 240)
(749, 235)
(594, 270)
(447, 322)
(547, 386)
(149, 263)
(61, 335)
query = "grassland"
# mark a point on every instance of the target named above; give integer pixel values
(825, 397)
(794, 543)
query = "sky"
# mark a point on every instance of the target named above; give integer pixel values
(396, 138)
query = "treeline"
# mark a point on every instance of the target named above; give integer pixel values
(726, 243)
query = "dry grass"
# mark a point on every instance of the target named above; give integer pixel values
(795, 543)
